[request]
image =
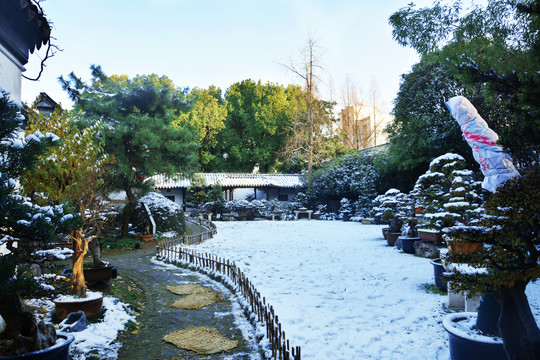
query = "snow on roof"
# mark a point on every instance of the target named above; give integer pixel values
(229, 180)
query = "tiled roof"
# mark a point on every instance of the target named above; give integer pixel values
(229, 180)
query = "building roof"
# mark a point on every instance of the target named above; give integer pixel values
(23, 28)
(229, 180)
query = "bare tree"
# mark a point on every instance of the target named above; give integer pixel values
(307, 74)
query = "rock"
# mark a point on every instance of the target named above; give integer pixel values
(2, 324)
(36, 270)
(426, 249)
(74, 322)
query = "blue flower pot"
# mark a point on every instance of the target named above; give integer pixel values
(438, 270)
(464, 346)
(59, 351)
(407, 244)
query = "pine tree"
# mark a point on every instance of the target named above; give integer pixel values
(137, 114)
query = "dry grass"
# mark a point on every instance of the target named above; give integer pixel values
(197, 300)
(186, 289)
(201, 340)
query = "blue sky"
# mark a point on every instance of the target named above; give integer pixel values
(220, 42)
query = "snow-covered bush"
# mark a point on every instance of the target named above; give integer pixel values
(392, 203)
(167, 214)
(249, 209)
(352, 176)
(449, 193)
(346, 207)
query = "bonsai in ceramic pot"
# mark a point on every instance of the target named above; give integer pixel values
(407, 242)
(451, 194)
(510, 241)
(394, 231)
(385, 207)
(26, 227)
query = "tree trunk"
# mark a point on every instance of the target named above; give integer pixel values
(518, 328)
(80, 248)
(95, 248)
(129, 208)
(22, 333)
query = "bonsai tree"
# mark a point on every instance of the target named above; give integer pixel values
(447, 191)
(511, 252)
(29, 226)
(346, 207)
(392, 203)
(71, 173)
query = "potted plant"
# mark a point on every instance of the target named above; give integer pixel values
(438, 270)
(23, 336)
(78, 182)
(345, 210)
(407, 242)
(321, 209)
(510, 237)
(450, 195)
(394, 231)
(386, 206)
(25, 228)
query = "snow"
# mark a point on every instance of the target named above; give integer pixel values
(57, 253)
(339, 291)
(98, 337)
(445, 157)
(90, 295)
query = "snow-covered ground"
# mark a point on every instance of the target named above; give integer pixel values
(339, 291)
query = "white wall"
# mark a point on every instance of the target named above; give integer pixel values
(177, 193)
(10, 75)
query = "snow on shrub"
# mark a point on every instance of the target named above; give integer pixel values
(392, 203)
(167, 214)
(449, 192)
(352, 176)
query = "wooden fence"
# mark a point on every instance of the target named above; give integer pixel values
(173, 250)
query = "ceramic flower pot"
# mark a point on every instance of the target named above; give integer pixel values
(145, 237)
(385, 231)
(59, 351)
(438, 270)
(430, 235)
(100, 274)
(391, 238)
(466, 344)
(407, 244)
(92, 306)
(463, 246)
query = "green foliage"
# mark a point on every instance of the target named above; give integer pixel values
(392, 203)
(493, 51)
(21, 221)
(326, 142)
(422, 128)
(449, 193)
(432, 288)
(121, 244)
(257, 114)
(167, 215)
(138, 134)
(15, 278)
(206, 119)
(509, 235)
(351, 176)
(70, 171)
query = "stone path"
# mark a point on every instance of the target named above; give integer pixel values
(158, 318)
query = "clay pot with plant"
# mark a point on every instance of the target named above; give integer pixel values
(510, 252)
